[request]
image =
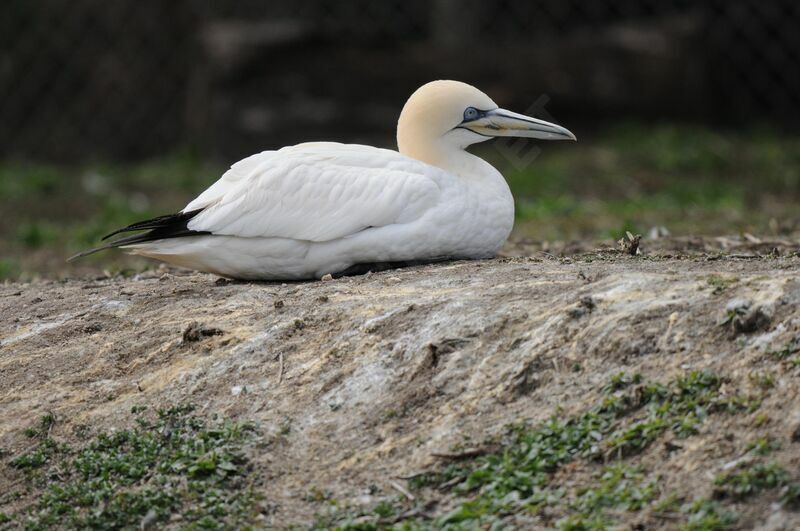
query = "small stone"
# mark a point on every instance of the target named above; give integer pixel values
(630, 243)
(327, 277)
(278, 304)
(753, 320)
(794, 434)
(196, 331)
(584, 306)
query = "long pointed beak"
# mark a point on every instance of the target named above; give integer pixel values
(501, 122)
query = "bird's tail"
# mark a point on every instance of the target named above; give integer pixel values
(160, 228)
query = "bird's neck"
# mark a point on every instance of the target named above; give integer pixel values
(439, 153)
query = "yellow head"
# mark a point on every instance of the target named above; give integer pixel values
(444, 115)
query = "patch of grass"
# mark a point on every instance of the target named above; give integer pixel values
(789, 349)
(763, 445)
(9, 268)
(762, 419)
(42, 429)
(708, 515)
(620, 487)
(21, 180)
(174, 465)
(719, 283)
(35, 234)
(40, 455)
(764, 380)
(384, 510)
(620, 381)
(285, 427)
(749, 481)
(681, 407)
(517, 478)
(791, 496)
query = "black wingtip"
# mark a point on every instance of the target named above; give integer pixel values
(160, 222)
(160, 228)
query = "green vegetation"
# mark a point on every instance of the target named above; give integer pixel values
(681, 407)
(750, 480)
(708, 515)
(620, 381)
(791, 496)
(763, 445)
(176, 467)
(620, 487)
(518, 479)
(52, 212)
(719, 283)
(788, 351)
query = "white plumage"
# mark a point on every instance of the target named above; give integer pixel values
(316, 208)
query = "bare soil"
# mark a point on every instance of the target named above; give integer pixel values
(358, 381)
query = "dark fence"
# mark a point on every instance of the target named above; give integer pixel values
(128, 79)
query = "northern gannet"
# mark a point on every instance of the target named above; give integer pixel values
(305, 211)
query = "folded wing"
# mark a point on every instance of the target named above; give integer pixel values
(317, 192)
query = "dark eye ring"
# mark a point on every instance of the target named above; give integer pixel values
(471, 113)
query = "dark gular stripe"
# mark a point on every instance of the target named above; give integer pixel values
(160, 228)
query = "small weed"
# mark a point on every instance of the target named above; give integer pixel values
(763, 380)
(42, 454)
(762, 419)
(668, 504)
(620, 381)
(317, 495)
(384, 510)
(620, 487)
(285, 427)
(719, 283)
(744, 483)
(791, 347)
(708, 515)
(763, 445)
(791, 496)
(42, 429)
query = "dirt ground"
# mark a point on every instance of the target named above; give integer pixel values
(357, 382)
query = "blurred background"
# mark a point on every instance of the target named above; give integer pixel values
(687, 112)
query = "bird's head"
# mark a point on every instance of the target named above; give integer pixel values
(450, 114)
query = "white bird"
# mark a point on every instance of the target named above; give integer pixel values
(322, 207)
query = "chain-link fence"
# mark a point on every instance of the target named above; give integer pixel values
(127, 79)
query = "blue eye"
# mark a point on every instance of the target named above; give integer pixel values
(471, 113)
